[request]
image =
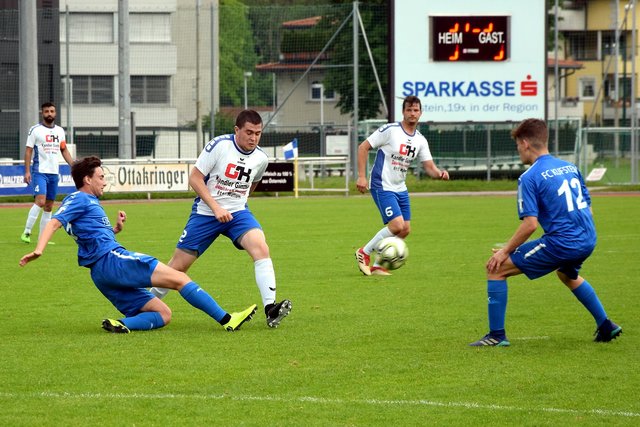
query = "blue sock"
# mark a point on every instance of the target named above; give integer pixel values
(497, 292)
(199, 298)
(144, 321)
(587, 296)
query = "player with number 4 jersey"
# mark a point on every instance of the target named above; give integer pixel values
(552, 194)
(226, 172)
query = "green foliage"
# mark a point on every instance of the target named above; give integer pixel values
(355, 351)
(340, 79)
(237, 55)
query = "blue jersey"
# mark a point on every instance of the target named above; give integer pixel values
(553, 191)
(84, 219)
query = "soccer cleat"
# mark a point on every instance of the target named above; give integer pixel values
(26, 237)
(491, 341)
(607, 331)
(363, 262)
(237, 319)
(114, 326)
(379, 271)
(278, 312)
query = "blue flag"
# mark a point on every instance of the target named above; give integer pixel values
(291, 150)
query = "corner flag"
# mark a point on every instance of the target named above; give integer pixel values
(291, 150)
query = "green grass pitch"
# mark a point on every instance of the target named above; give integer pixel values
(355, 351)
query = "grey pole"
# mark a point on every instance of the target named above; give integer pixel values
(28, 85)
(556, 76)
(215, 49)
(354, 135)
(198, 98)
(634, 103)
(67, 79)
(124, 82)
(616, 86)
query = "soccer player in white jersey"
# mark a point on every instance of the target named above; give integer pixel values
(226, 172)
(45, 141)
(398, 144)
(553, 194)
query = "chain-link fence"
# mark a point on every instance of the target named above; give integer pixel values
(293, 64)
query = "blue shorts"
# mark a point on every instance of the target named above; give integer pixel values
(540, 257)
(45, 183)
(122, 277)
(202, 230)
(391, 204)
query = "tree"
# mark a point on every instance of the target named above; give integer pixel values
(374, 17)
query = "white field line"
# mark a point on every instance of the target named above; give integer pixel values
(319, 400)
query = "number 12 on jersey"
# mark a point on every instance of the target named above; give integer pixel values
(568, 195)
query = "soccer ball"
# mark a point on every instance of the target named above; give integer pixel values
(391, 252)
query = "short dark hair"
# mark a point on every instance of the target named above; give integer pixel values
(47, 105)
(84, 167)
(534, 131)
(250, 116)
(410, 100)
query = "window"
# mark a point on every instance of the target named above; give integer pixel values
(9, 83)
(329, 94)
(87, 27)
(150, 89)
(9, 20)
(582, 45)
(587, 87)
(92, 89)
(149, 28)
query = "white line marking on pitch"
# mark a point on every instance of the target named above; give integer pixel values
(321, 400)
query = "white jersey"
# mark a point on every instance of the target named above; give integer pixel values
(229, 173)
(46, 143)
(396, 151)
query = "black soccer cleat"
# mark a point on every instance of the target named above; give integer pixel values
(277, 312)
(607, 331)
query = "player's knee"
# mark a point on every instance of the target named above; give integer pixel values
(165, 313)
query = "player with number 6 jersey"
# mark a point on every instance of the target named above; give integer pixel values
(553, 194)
(225, 174)
(398, 145)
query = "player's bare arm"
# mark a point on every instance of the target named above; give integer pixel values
(432, 170)
(526, 228)
(122, 217)
(66, 154)
(46, 235)
(363, 153)
(28, 152)
(196, 180)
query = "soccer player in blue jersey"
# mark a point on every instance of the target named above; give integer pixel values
(398, 145)
(225, 174)
(551, 193)
(122, 276)
(45, 141)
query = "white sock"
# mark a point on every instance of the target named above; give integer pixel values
(32, 218)
(44, 220)
(384, 232)
(159, 292)
(266, 280)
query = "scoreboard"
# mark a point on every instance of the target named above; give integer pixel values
(470, 60)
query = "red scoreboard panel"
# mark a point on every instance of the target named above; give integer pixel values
(469, 38)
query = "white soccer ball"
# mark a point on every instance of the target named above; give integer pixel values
(391, 252)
